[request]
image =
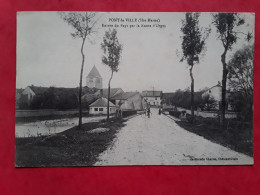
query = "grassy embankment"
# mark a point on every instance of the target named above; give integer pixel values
(73, 147)
(236, 135)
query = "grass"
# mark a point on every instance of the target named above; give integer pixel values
(73, 147)
(236, 135)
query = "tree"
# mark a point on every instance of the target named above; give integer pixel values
(112, 52)
(209, 102)
(84, 26)
(227, 29)
(240, 80)
(193, 45)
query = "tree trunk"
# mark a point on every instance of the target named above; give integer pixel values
(108, 96)
(224, 85)
(192, 94)
(80, 84)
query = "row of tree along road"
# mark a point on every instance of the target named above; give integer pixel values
(239, 70)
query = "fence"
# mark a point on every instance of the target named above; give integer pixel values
(207, 114)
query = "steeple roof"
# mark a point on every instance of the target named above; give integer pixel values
(94, 72)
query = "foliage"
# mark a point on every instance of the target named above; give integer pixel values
(209, 103)
(227, 30)
(241, 70)
(193, 45)
(193, 39)
(55, 98)
(112, 50)
(83, 24)
(240, 81)
(182, 99)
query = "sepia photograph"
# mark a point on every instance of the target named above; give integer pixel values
(134, 88)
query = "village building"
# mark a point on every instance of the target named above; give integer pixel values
(154, 98)
(94, 79)
(128, 101)
(100, 107)
(113, 92)
(215, 92)
(31, 91)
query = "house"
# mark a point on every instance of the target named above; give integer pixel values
(128, 101)
(94, 79)
(154, 98)
(31, 91)
(100, 107)
(215, 92)
(113, 92)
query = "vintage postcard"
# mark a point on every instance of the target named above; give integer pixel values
(108, 89)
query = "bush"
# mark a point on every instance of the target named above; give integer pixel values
(127, 113)
(176, 114)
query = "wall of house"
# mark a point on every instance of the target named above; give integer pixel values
(154, 101)
(101, 110)
(29, 93)
(214, 92)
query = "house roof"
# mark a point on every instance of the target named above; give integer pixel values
(152, 93)
(94, 72)
(38, 90)
(113, 92)
(124, 96)
(101, 102)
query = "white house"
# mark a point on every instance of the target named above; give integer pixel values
(215, 92)
(100, 107)
(154, 98)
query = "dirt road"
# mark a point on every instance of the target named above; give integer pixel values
(160, 141)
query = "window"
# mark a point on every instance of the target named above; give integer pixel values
(100, 109)
(155, 98)
(90, 80)
(96, 109)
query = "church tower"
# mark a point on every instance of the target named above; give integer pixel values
(94, 79)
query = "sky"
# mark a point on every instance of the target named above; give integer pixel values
(47, 54)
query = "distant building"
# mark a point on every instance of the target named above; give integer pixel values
(128, 101)
(154, 98)
(100, 107)
(215, 92)
(94, 79)
(30, 91)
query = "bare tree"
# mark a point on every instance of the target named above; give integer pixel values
(83, 24)
(227, 29)
(112, 53)
(193, 45)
